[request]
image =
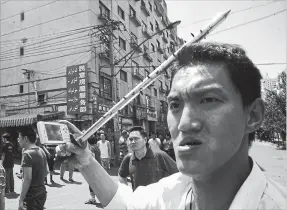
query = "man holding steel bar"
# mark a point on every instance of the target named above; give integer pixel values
(215, 107)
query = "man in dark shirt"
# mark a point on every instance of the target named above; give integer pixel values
(8, 162)
(35, 169)
(144, 165)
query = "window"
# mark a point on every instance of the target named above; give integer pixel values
(21, 88)
(150, 6)
(152, 48)
(151, 26)
(122, 43)
(160, 82)
(134, 38)
(138, 100)
(21, 51)
(132, 12)
(124, 76)
(22, 16)
(135, 67)
(157, 44)
(145, 49)
(104, 11)
(41, 98)
(105, 87)
(156, 25)
(148, 100)
(121, 13)
(155, 92)
(125, 110)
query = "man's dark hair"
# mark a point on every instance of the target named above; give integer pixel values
(29, 132)
(139, 129)
(244, 75)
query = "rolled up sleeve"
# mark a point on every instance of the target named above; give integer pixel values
(121, 198)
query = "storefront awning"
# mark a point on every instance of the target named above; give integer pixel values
(28, 119)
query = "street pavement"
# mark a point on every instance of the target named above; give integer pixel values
(66, 195)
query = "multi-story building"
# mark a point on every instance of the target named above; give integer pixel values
(268, 84)
(41, 40)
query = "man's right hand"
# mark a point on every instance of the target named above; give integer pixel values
(82, 153)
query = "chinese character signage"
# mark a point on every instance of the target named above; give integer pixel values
(77, 89)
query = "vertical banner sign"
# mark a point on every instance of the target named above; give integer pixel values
(77, 89)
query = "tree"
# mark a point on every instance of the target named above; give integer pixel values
(275, 104)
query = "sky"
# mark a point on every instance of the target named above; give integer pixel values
(263, 40)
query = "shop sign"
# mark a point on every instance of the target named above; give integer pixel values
(77, 89)
(151, 115)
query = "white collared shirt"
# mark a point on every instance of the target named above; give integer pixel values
(257, 192)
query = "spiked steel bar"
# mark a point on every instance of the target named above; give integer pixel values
(152, 77)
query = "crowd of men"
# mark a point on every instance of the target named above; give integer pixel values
(214, 108)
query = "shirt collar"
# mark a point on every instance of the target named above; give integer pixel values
(250, 193)
(148, 154)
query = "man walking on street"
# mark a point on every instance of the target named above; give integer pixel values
(144, 165)
(214, 108)
(154, 142)
(35, 169)
(8, 162)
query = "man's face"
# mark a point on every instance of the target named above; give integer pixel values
(153, 136)
(206, 118)
(136, 141)
(102, 136)
(21, 140)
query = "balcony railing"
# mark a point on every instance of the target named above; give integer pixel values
(135, 46)
(160, 50)
(136, 74)
(164, 39)
(135, 20)
(158, 9)
(146, 32)
(147, 57)
(144, 8)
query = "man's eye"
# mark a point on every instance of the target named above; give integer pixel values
(173, 105)
(209, 100)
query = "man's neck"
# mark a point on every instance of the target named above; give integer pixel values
(218, 190)
(29, 146)
(141, 153)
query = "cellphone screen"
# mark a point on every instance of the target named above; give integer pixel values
(53, 132)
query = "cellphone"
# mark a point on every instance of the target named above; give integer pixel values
(53, 133)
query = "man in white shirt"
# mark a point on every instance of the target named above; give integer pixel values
(154, 142)
(215, 107)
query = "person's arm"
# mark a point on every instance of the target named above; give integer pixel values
(123, 172)
(2, 188)
(110, 151)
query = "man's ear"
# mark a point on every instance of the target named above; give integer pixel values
(255, 117)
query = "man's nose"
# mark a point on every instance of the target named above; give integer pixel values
(190, 121)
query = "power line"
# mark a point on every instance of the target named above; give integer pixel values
(26, 10)
(241, 10)
(252, 21)
(270, 64)
(45, 22)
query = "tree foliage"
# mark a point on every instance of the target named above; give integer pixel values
(275, 105)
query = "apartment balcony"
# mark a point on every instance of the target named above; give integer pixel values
(165, 56)
(136, 74)
(135, 20)
(105, 52)
(164, 21)
(158, 9)
(144, 9)
(146, 32)
(135, 46)
(104, 16)
(160, 50)
(147, 57)
(164, 39)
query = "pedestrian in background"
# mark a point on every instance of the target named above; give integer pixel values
(105, 149)
(154, 142)
(110, 136)
(2, 187)
(8, 162)
(124, 149)
(35, 169)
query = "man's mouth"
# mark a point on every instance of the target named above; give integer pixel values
(190, 142)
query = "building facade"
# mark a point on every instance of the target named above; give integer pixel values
(40, 40)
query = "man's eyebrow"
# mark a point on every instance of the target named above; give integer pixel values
(172, 96)
(209, 88)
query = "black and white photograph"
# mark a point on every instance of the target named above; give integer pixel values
(170, 104)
